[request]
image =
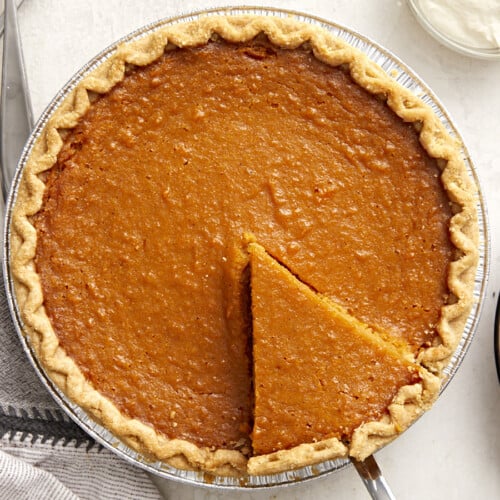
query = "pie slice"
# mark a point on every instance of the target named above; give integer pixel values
(319, 373)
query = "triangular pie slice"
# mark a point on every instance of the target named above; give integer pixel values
(319, 373)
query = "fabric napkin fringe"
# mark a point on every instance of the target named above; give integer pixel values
(50, 426)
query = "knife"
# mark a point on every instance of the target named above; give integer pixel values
(16, 116)
(18, 2)
(373, 479)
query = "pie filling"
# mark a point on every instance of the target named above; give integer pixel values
(143, 260)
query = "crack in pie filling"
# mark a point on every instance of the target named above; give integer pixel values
(243, 248)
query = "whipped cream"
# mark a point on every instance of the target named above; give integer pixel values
(473, 23)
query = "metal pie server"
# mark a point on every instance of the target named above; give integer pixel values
(16, 116)
(372, 478)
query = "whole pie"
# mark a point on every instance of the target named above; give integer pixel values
(244, 248)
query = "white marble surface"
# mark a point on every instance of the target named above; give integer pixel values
(454, 450)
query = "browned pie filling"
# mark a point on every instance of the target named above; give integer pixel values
(140, 240)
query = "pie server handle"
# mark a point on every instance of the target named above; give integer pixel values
(16, 117)
(371, 475)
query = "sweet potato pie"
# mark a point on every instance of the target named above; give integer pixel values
(244, 248)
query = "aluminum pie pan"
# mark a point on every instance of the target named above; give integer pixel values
(402, 74)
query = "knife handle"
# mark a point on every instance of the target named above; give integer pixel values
(373, 479)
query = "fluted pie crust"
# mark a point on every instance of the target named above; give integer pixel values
(409, 403)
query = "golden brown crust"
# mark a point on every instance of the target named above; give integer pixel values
(410, 402)
(299, 456)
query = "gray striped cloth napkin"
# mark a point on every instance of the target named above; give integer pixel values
(43, 454)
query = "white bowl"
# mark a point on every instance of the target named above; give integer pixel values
(446, 40)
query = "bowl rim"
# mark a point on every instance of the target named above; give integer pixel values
(438, 35)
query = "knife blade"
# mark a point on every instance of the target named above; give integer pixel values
(373, 479)
(16, 116)
(18, 2)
